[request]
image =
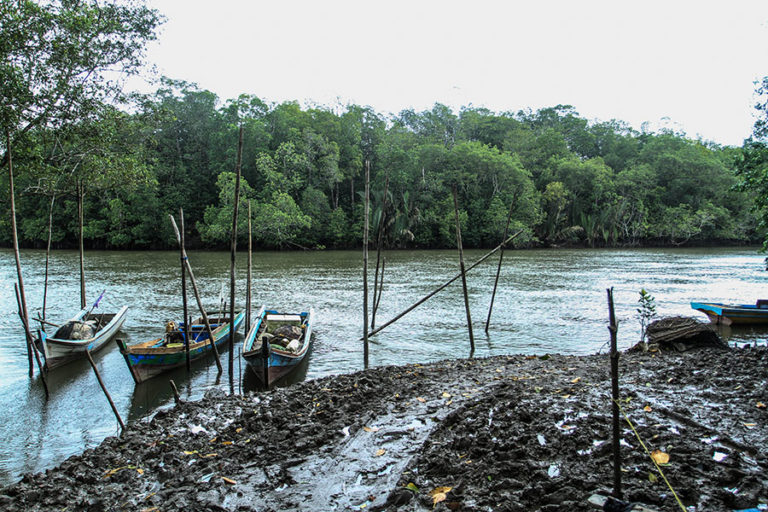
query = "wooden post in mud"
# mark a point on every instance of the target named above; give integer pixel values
(104, 389)
(248, 275)
(463, 272)
(48, 252)
(80, 199)
(377, 297)
(30, 339)
(197, 296)
(444, 285)
(184, 290)
(232, 265)
(613, 327)
(379, 242)
(176, 397)
(365, 262)
(23, 301)
(498, 270)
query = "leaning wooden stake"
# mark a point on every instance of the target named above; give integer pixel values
(377, 297)
(613, 327)
(444, 285)
(248, 277)
(197, 297)
(23, 301)
(379, 243)
(30, 340)
(232, 266)
(365, 262)
(48, 252)
(184, 291)
(463, 272)
(176, 397)
(104, 389)
(498, 270)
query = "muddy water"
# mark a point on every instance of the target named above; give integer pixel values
(547, 302)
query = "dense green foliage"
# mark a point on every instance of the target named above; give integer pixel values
(566, 181)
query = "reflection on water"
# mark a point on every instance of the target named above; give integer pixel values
(547, 301)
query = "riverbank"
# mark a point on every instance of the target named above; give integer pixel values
(503, 433)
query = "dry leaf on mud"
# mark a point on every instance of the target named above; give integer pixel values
(228, 480)
(440, 490)
(412, 487)
(446, 394)
(380, 452)
(422, 400)
(660, 457)
(760, 405)
(574, 381)
(750, 425)
(647, 408)
(371, 429)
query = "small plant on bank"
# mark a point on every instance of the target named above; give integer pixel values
(645, 312)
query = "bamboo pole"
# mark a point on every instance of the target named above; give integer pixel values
(197, 296)
(80, 199)
(444, 285)
(232, 266)
(30, 340)
(48, 252)
(613, 327)
(498, 270)
(23, 301)
(463, 272)
(248, 276)
(184, 292)
(104, 389)
(365, 262)
(379, 243)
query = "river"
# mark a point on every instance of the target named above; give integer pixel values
(548, 301)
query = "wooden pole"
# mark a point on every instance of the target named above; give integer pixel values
(613, 327)
(463, 272)
(379, 243)
(248, 276)
(80, 198)
(104, 389)
(48, 252)
(197, 296)
(23, 301)
(232, 266)
(30, 340)
(365, 262)
(176, 397)
(498, 270)
(377, 298)
(444, 285)
(182, 257)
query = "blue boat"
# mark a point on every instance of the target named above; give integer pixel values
(734, 314)
(277, 342)
(151, 358)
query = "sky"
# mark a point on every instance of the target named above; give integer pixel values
(685, 65)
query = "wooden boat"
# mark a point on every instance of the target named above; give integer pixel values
(264, 352)
(739, 314)
(86, 331)
(151, 358)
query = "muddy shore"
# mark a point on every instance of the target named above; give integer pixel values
(504, 433)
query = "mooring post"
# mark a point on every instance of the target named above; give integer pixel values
(365, 262)
(176, 397)
(184, 290)
(463, 272)
(498, 270)
(232, 265)
(613, 327)
(379, 243)
(104, 389)
(30, 340)
(48, 252)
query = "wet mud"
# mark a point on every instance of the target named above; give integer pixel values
(503, 433)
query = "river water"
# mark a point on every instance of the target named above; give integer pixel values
(548, 301)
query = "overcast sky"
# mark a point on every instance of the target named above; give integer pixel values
(693, 62)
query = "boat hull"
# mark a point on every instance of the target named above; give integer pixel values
(58, 352)
(273, 364)
(733, 314)
(148, 360)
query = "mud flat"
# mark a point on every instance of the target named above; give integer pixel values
(503, 433)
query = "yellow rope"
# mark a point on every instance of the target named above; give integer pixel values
(682, 507)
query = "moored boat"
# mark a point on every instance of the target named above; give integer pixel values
(86, 331)
(151, 358)
(738, 314)
(277, 342)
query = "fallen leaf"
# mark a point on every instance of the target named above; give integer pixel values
(380, 452)
(566, 396)
(647, 408)
(750, 425)
(660, 457)
(238, 430)
(371, 429)
(209, 455)
(190, 453)
(652, 478)
(537, 389)
(228, 480)
(227, 442)
(574, 381)
(422, 400)
(440, 490)
(437, 498)
(446, 394)
(140, 471)
(412, 487)
(760, 405)
(498, 370)
(449, 402)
